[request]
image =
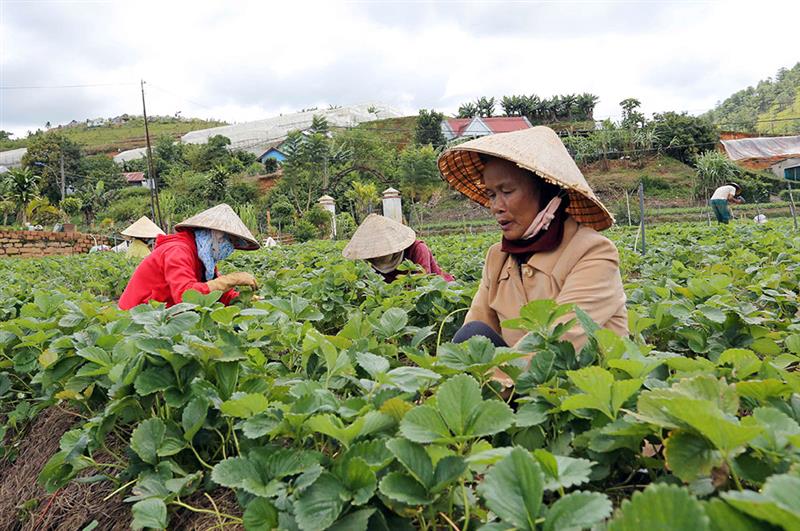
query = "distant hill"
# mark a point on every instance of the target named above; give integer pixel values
(771, 107)
(120, 133)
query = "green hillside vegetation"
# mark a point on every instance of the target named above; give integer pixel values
(771, 107)
(396, 131)
(119, 137)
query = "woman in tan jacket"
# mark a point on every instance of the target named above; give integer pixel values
(549, 218)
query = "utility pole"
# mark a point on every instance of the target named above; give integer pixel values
(63, 177)
(155, 207)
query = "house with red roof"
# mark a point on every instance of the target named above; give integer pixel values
(454, 128)
(136, 178)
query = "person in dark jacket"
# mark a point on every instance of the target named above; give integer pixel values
(188, 260)
(385, 244)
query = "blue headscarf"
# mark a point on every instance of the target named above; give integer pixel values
(212, 246)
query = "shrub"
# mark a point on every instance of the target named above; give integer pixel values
(281, 212)
(303, 231)
(321, 219)
(345, 226)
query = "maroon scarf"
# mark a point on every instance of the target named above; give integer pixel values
(542, 242)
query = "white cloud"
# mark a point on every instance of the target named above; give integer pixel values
(247, 60)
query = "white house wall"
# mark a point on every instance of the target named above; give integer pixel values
(778, 168)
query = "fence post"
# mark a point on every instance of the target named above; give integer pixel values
(641, 215)
(708, 206)
(792, 206)
(628, 204)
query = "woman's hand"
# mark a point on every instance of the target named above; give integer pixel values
(226, 282)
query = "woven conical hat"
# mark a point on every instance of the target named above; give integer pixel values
(378, 236)
(537, 149)
(143, 228)
(222, 218)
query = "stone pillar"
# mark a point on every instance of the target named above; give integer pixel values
(392, 205)
(328, 203)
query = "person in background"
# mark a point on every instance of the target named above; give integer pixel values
(142, 233)
(385, 243)
(550, 248)
(187, 260)
(722, 196)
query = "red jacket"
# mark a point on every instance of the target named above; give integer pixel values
(419, 253)
(171, 269)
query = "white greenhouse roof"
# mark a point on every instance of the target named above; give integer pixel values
(131, 154)
(763, 147)
(12, 157)
(254, 136)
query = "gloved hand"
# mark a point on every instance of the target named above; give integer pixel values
(226, 282)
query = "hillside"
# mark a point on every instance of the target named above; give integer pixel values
(128, 134)
(398, 131)
(771, 107)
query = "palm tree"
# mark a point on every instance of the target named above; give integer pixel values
(23, 186)
(468, 110)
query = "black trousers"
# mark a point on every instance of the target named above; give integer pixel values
(479, 328)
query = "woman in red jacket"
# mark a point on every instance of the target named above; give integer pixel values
(187, 260)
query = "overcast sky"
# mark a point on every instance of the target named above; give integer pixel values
(240, 61)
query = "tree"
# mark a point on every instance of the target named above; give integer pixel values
(713, 169)
(5, 135)
(95, 168)
(213, 152)
(217, 184)
(363, 197)
(270, 165)
(631, 117)
(71, 206)
(22, 187)
(418, 175)
(485, 107)
(44, 156)
(429, 129)
(94, 199)
(467, 110)
(682, 136)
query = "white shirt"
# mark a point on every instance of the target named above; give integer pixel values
(723, 192)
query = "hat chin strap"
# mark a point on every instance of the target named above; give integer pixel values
(543, 219)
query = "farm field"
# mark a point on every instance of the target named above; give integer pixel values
(336, 401)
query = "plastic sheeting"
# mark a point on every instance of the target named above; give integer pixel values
(256, 136)
(762, 148)
(12, 157)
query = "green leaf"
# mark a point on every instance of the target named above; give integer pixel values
(374, 453)
(224, 316)
(414, 458)
(373, 364)
(403, 488)
(321, 504)
(149, 513)
(456, 399)
(448, 470)
(333, 426)
(423, 424)
(602, 393)
(359, 479)
(231, 472)
(690, 456)
(146, 439)
(193, 417)
(244, 405)
(260, 515)
(563, 472)
(531, 414)
(260, 425)
(778, 429)
(490, 417)
(153, 380)
(513, 489)
(578, 510)
(778, 502)
(660, 508)
(393, 321)
(355, 521)
(723, 517)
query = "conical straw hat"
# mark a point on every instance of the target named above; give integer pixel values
(222, 218)
(378, 236)
(537, 149)
(143, 228)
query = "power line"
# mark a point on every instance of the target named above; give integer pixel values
(88, 85)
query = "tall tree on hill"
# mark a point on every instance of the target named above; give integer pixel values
(429, 129)
(51, 156)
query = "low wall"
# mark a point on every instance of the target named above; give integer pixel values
(33, 244)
